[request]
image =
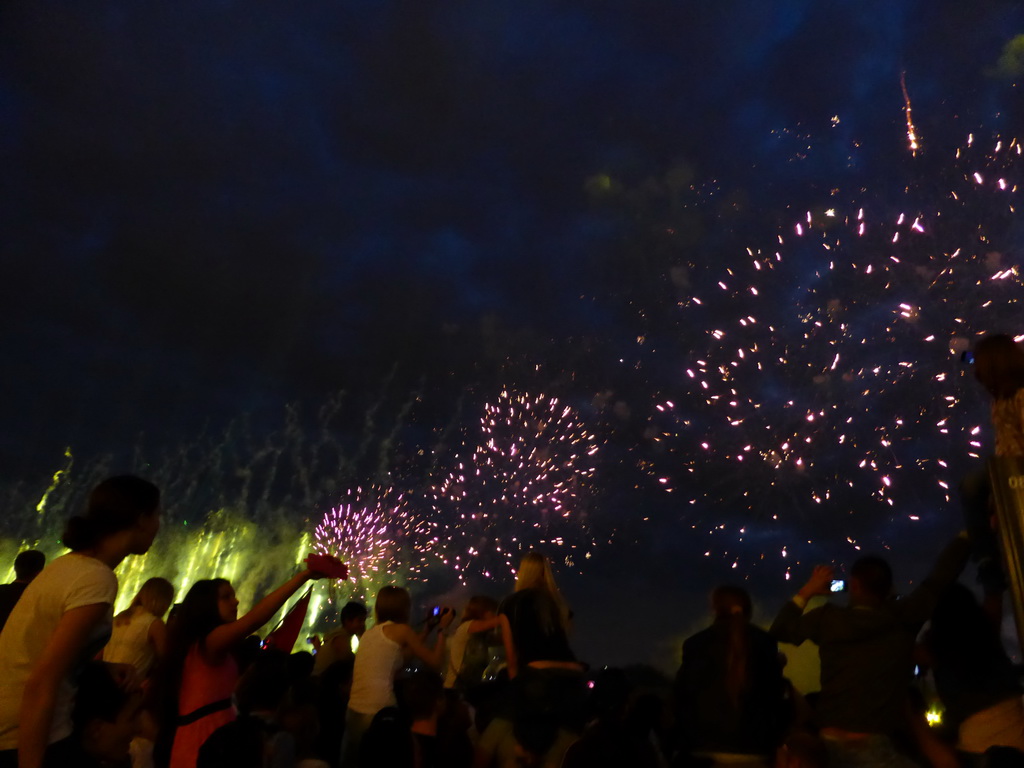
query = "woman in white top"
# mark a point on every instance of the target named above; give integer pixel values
(64, 618)
(139, 637)
(383, 650)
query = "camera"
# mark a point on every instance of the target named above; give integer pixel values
(838, 585)
(436, 612)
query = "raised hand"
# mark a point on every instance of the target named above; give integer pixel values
(447, 616)
(820, 582)
(326, 567)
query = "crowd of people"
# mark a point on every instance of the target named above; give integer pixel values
(498, 684)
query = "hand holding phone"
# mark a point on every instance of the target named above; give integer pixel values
(446, 618)
(820, 582)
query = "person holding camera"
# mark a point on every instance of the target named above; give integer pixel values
(865, 650)
(383, 650)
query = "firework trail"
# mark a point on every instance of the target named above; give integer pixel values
(522, 485)
(237, 503)
(912, 142)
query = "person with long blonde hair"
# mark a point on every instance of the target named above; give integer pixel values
(538, 618)
(549, 698)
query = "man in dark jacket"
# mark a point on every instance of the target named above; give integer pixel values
(865, 650)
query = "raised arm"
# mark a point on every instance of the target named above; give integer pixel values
(62, 653)
(483, 625)
(500, 621)
(792, 625)
(411, 641)
(228, 635)
(917, 607)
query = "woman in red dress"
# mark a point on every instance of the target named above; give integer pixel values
(201, 673)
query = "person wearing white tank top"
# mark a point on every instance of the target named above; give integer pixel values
(383, 650)
(377, 662)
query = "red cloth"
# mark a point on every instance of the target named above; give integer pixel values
(202, 683)
(283, 638)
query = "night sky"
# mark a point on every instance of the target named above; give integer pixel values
(217, 209)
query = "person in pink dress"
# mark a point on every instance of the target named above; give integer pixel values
(201, 672)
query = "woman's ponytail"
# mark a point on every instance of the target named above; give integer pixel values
(80, 533)
(732, 612)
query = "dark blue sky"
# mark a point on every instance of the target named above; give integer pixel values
(210, 208)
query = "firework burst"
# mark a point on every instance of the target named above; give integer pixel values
(377, 534)
(825, 376)
(522, 485)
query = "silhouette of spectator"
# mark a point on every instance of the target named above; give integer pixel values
(106, 719)
(865, 650)
(730, 693)
(333, 689)
(974, 677)
(64, 618)
(438, 723)
(386, 742)
(802, 750)
(337, 644)
(999, 368)
(256, 739)
(468, 654)
(616, 737)
(1002, 757)
(27, 565)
